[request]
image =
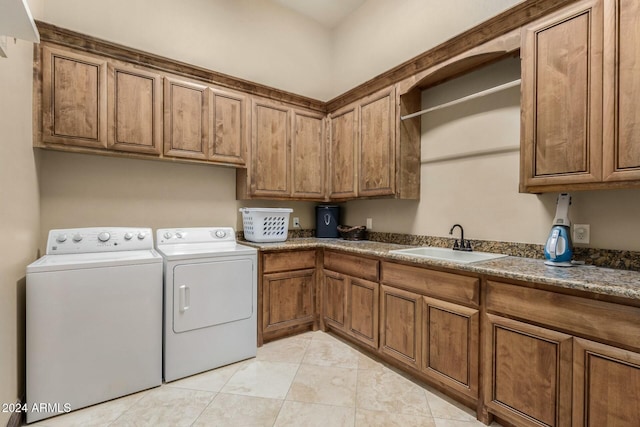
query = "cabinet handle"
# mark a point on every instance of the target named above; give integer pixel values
(185, 298)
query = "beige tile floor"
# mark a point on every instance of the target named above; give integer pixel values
(313, 379)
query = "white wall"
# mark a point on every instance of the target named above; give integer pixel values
(460, 184)
(382, 34)
(257, 40)
(19, 212)
(82, 190)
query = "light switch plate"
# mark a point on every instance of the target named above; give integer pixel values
(369, 223)
(581, 233)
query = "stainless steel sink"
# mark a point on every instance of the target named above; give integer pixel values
(447, 254)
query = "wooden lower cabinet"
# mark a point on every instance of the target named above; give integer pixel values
(528, 373)
(400, 318)
(430, 322)
(362, 309)
(334, 299)
(287, 293)
(288, 299)
(606, 385)
(350, 304)
(450, 347)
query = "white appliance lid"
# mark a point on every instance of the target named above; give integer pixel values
(200, 250)
(199, 242)
(93, 260)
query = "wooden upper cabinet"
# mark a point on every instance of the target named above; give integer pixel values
(308, 155)
(343, 147)
(288, 159)
(230, 127)
(74, 99)
(270, 154)
(562, 97)
(377, 158)
(622, 91)
(186, 119)
(135, 110)
(372, 152)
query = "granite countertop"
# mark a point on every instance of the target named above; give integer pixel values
(606, 281)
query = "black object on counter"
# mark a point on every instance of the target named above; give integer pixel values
(357, 232)
(327, 219)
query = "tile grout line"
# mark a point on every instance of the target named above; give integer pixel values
(290, 385)
(205, 408)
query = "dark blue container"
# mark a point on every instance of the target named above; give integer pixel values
(327, 220)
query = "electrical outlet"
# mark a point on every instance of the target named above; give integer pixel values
(369, 223)
(296, 222)
(581, 233)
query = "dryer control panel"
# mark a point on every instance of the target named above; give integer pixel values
(174, 236)
(98, 239)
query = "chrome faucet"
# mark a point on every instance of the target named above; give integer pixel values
(462, 245)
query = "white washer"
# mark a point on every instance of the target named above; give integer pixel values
(210, 304)
(94, 319)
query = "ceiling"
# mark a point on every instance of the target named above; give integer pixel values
(329, 13)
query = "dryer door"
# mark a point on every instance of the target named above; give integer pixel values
(211, 293)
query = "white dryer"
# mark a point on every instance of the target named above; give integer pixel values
(210, 299)
(94, 319)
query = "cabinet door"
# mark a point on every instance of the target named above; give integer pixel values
(270, 157)
(450, 334)
(74, 99)
(230, 127)
(287, 299)
(528, 371)
(307, 154)
(362, 306)
(606, 384)
(343, 154)
(377, 160)
(186, 119)
(622, 91)
(400, 313)
(562, 97)
(334, 299)
(135, 110)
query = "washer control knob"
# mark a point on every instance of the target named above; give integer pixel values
(128, 236)
(104, 236)
(221, 234)
(61, 238)
(168, 235)
(142, 235)
(179, 234)
(77, 237)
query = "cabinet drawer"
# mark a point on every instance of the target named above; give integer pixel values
(448, 286)
(610, 322)
(352, 265)
(287, 261)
